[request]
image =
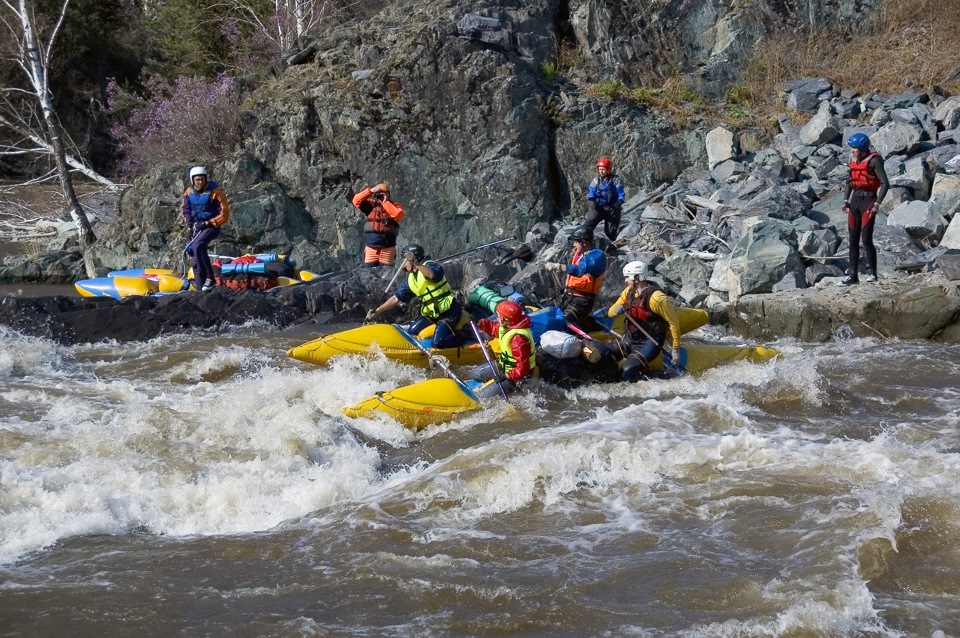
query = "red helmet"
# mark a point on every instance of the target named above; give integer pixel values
(510, 313)
(604, 162)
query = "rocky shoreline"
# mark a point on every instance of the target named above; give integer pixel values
(920, 306)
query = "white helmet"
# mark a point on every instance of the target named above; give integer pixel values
(636, 269)
(197, 170)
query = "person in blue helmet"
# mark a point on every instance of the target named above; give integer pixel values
(866, 188)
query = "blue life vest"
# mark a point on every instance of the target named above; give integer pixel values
(202, 208)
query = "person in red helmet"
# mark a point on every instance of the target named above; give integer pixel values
(606, 199)
(517, 361)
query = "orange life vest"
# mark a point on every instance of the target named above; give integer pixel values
(584, 284)
(861, 178)
(379, 221)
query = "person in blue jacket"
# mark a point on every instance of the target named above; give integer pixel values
(205, 211)
(584, 278)
(606, 200)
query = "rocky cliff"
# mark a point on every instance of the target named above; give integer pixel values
(454, 104)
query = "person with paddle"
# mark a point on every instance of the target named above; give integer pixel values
(651, 317)
(584, 278)
(518, 349)
(205, 211)
(382, 226)
(425, 280)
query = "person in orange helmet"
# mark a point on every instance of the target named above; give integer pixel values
(517, 361)
(382, 226)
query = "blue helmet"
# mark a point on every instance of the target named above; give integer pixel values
(859, 141)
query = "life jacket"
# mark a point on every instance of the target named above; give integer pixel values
(202, 207)
(605, 190)
(585, 285)
(639, 309)
(379, 221)
(507, 361)
(436, 296)
(861, 178)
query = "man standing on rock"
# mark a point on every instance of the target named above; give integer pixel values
(606, 200)
(382, 226)
(866, 188)
(205, 211)
(584, 278)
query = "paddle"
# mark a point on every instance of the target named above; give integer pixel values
(481, 247)
(673, 368)
(437, 360)
(486, 355)
(393, 279)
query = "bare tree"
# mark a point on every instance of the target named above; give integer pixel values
(32, 52)
(287, 20)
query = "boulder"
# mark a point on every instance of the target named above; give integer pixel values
(947, 114)
(897, 138)
(920, 307)
(918, 218)
(821, 128)
(721, 146)
(766, 252)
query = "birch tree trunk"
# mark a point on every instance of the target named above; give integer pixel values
(34, 59)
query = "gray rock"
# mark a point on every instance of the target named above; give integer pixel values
(897, 138)
(683, 269)
(821, 128)
(793, 280)
(817, 272)
(778, 202)
(919, 307)
(721, 145)
(918, 218)
(947, 114)
(765, 253)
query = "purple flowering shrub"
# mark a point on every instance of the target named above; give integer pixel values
(191, 119)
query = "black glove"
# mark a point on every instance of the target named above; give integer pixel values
(200, 226)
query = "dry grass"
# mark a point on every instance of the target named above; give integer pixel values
(912, 44)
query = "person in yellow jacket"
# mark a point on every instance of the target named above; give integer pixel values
(425, 280)
(651, 318)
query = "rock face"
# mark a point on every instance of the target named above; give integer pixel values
(457, 109)
(451, 104)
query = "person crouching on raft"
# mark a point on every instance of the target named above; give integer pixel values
(425, 280)
(517, 360)
(646, 303)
